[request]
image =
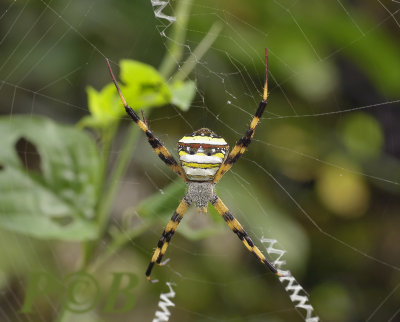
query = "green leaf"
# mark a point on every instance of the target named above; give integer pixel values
(183, 94)
(47, 187)
(144, 86)
(105, 107)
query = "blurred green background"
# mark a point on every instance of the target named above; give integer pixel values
(321, 177)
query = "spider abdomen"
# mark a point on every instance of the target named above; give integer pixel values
(200, 193)
(201, 154)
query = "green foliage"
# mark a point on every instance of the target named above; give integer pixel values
(146, 87)
(55, 199)
(104, 107)
(68, 192)
(143, 87)
(59, 198)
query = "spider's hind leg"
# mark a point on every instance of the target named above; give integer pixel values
(167, 235)
(237, 228)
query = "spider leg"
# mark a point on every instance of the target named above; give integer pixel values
(155, 143)
(167, 235)
(237, 228)
(244, 141)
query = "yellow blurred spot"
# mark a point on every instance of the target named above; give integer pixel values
(343, 192)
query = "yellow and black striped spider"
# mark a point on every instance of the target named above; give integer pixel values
(204, 159)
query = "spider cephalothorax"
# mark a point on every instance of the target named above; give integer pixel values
(204, 159)
(201, 154)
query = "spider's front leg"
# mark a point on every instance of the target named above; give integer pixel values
(237, 228)
(244, 141)
(167, 234)
(155, 143)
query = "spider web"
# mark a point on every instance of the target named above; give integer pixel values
(345, 260)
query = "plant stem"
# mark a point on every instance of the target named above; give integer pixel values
(176, 42)
(117, 173)
(108, 136)
(198, 53)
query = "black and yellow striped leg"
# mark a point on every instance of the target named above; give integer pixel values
(237, 228)
(167, 235)
(243, 142)
(155, 143)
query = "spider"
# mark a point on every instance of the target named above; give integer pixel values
(204, 159)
